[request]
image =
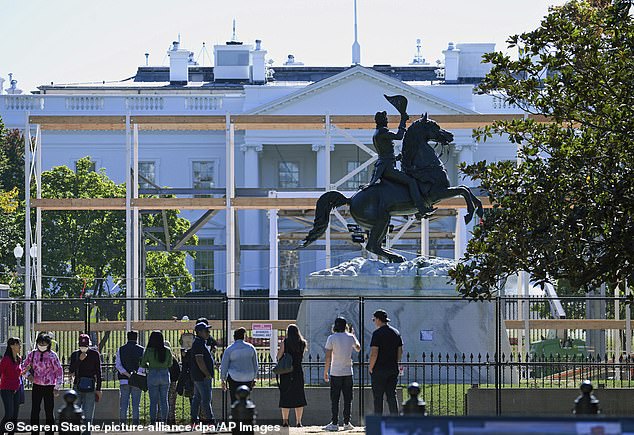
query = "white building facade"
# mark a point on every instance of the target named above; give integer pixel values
(266, 160)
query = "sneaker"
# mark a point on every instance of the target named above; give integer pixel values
(348, 426)
(331, 427)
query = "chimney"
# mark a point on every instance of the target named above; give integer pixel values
(258, 66)
(452, 62)
(233, 62)
(179, 73)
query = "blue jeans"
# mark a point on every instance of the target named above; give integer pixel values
(11, 401)
(125, 391)
(202, 399)
(87, 403)
(158, 385)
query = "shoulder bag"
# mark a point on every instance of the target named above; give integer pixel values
(284, 365)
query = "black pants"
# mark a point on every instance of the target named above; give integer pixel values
(39, 393)
(384, 383)
(11, 400)
(233, 386)
(338, 385)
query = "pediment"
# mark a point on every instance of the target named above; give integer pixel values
(356, 91)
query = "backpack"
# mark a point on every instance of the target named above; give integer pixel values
(185, 385)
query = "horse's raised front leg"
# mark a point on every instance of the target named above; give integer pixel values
(375, 239)
(468, 199)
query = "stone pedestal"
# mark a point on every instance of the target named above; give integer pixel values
(421, 304)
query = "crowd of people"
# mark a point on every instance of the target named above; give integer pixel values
(155, 368)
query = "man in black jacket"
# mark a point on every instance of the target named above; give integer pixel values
(128, 358)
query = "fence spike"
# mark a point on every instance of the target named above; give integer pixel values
(407, 356)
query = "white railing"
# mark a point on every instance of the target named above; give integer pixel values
(13, 107)
(78, 103)
(502, 103)
(23, 102)
(144, 103)
(203, 103)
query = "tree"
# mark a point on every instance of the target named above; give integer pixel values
(11, 195)
(86, 248)
(566, 210)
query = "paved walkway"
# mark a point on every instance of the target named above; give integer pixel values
(293, 431)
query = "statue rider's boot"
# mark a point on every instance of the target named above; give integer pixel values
(424, 210)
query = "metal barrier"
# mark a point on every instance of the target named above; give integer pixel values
(444, 378)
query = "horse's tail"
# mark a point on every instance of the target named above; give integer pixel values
(325, 204)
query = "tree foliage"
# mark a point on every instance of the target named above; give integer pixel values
(565, 211)
(11, 193)
(87, 247)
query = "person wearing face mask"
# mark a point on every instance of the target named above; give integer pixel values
(47, 375)
(85, 367)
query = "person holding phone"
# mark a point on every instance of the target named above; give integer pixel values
(338, 371)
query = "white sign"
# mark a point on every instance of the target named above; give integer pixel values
(426, 335)
(261, 330)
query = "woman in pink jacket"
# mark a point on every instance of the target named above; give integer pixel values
(48, 375)
(10, 374)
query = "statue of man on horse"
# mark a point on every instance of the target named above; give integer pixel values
(398, 193)
(385, 166)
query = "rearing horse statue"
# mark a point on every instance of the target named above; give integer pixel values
(373, 206)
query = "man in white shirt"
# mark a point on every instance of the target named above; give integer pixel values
(338, 371)
(239, 364)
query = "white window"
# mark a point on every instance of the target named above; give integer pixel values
(147, 174)
(288, 173)
(362, 177)
(204, 174)
(204, 267)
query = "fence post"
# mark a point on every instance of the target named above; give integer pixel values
(87, 305)
(361, 361)
(498, 386)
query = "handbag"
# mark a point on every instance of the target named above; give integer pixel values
(86, 385)
(138, 380)
(284, 365)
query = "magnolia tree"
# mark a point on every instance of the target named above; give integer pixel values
(565, 210)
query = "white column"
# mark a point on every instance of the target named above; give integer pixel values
(38, 224)
(460, 239)
(27, 235)
(250, 222)
(274, 275)
(322, 180)
(424, 237)
(230, 223)
(136, 250)
(128, 225)
(464, 153)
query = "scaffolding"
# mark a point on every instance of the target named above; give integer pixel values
(273, 202)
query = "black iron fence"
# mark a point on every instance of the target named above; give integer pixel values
(445, 377)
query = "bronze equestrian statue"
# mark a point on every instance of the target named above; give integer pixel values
(385, 166)
(373, 206)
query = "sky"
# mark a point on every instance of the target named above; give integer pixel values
(79, 41)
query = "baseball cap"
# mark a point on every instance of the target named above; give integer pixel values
(200, 326)
(381, 315)
(84, 340)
